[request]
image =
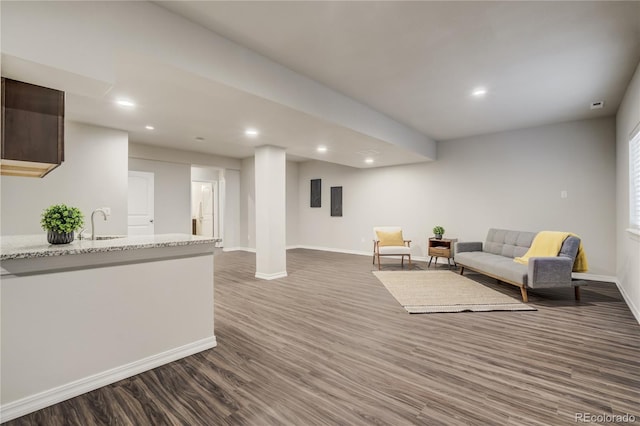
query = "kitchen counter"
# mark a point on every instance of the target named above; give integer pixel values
(32, 246)
(29, 254)
(79, 316)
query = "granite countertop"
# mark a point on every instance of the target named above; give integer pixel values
(34, 246)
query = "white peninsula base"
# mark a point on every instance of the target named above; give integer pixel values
(74, 327)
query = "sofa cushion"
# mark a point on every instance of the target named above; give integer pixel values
(474, 259)
(506, 268)
(495, 241)
(497, 265)
(508, 243)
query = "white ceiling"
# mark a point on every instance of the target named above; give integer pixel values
(416, 62)
(182, 107)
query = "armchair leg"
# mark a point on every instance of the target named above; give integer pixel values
(374, 253)
(523, 292)
(410, 263)
(577, 292)
(378, 261)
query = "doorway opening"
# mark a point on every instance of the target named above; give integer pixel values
(206, 202)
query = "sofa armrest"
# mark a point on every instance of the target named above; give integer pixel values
(468, 246)
(545, 272)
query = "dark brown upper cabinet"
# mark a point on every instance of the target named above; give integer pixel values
(32, 129)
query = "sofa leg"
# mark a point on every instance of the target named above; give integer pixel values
(461, 270)
(525, 297)
(576, 289)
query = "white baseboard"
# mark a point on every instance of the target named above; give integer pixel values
(358, 252)
(335, 250)
(330, 249)
(611, 279)
(49, 397)
(250, 250)
(594, 277)
(273, 276)
(633, 308)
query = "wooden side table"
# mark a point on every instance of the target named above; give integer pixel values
(441, 248)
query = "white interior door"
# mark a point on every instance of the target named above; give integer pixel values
(140, 220)
(202, 206)
(207, 209)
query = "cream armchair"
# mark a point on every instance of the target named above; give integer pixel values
(388, 241)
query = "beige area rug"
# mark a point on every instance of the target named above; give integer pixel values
(425, 292)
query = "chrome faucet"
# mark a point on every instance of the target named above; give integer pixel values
(104, 214)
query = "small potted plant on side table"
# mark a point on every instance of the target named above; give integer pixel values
(438, 232)
(60, 222)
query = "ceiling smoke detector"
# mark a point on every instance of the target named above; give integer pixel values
(597, 105)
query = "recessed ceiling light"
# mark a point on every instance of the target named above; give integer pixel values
(322, 148)
(479, 91)
(148, 127)
(368, 160)
(251, 132)
(125, 103)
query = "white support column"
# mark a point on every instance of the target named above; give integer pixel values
(271, 208)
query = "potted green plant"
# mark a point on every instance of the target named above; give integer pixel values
(60, 221)
(438, 231)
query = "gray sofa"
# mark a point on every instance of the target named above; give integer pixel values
(495, 259)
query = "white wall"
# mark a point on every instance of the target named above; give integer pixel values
(157, 153)
(231, 179)
(292, 203)
(94, 174)
(205, 174)
(628, 244)
(202, 166)
(509, 180)
(172, 194)
(248, 204)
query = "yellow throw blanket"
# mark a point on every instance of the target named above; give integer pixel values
(548, 243)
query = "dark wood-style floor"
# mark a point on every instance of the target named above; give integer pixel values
(328, 345)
